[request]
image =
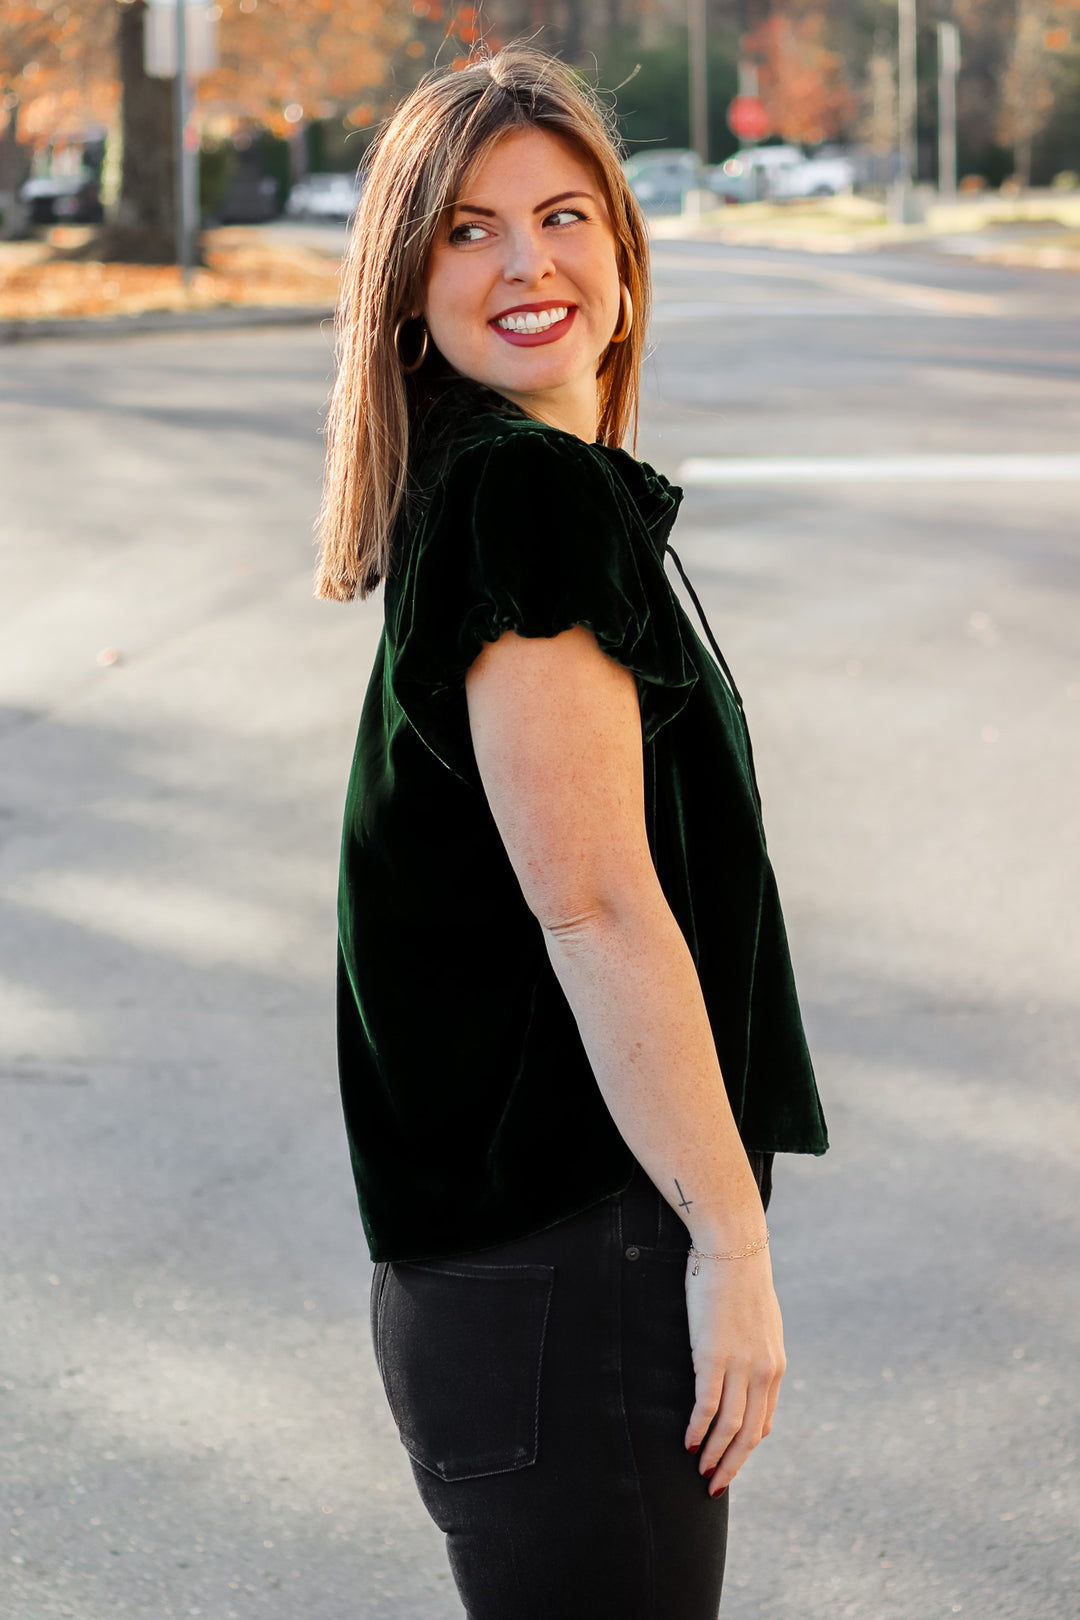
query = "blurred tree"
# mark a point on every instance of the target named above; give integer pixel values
(878, 125)
(1057, 148)
(285, 62)
(1030, 80)
(650, 87)
(986, 29)
(282, 63)
(801, 81)
(56, 77)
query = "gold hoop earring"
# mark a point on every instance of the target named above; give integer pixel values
(626, 322)
(421, 357)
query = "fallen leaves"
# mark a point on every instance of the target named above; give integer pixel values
(243, 267)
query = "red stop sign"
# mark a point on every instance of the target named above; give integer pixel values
(748, 119)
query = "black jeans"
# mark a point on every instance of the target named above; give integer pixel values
(542, 1389)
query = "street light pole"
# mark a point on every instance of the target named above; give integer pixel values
(699, 79)
(948, 68)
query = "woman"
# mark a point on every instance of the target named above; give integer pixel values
(569, 1037)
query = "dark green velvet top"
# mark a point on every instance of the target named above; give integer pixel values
(472, 1112)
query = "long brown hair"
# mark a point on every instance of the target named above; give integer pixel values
(436, 137)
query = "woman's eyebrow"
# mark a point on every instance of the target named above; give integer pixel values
(564, 196)
(489, 213)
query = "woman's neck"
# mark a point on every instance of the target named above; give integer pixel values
(577, 413)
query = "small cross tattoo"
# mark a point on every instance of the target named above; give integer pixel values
(685, 1202)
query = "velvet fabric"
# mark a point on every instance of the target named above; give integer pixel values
(472, 1112)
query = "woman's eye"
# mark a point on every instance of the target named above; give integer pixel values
(564, 216)
(470, 232)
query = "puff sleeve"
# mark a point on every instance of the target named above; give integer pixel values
(534, 531)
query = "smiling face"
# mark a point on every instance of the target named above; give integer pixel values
(522, 289)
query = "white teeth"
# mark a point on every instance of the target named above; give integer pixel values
(533, 320)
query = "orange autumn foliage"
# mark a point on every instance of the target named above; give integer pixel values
(315, 58)
(321, 56)
(800, 81)
(57, 65)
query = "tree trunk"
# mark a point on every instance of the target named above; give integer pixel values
(1022, 163)
(14, 168)
(143, 227)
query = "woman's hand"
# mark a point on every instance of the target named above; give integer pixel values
(737, 1340)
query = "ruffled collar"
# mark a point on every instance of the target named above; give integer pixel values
(656, 498)
(460, 403)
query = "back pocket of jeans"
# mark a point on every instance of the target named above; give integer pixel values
(460, 1348)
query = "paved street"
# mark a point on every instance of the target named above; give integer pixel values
(190, 1417)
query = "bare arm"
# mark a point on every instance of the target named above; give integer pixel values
(557, 735)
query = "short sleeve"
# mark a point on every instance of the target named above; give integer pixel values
(536, 532)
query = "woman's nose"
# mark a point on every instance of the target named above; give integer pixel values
(528, 259)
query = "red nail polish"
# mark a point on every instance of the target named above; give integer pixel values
(693, 1450)
(718, 1494)
(709, 1472)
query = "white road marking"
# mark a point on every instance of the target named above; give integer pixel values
(1008, 468)
(882, 289)
(716, 309)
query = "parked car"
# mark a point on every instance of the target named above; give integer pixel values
(63, 199)
(772, 172)
(814, 177)
(749, 175)
(660, 179)
(251, 199)
(324, 197)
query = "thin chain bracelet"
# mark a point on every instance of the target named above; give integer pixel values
(733, 1254)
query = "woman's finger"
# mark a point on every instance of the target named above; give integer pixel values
(708, 1392)
(725, 1460)
(770, 1407)
(727, 1421)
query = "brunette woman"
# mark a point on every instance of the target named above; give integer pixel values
(570, 1043)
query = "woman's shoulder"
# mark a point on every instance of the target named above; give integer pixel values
(501, 475)
(503, 461)
(492, 441)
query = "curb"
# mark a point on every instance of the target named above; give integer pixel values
(791, 238)
(222, 318)
(802, 235)
(1017, 257)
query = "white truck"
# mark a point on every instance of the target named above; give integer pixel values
(820, 176)
(767, 173)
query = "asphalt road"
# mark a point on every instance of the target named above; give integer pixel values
(190, 1418)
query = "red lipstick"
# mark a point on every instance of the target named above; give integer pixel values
(530, 340)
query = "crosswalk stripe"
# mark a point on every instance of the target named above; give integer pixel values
(1007, 468)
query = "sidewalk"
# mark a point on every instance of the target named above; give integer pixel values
(221, 317)
(1039, 231)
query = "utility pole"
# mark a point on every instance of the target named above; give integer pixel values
(948, 68)
(699, 79)
(904, 207)
(907, 92)
(180, 42)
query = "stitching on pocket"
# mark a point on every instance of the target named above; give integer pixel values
(378, 1288)
(527, 1271)
(474, 1273)
(540, 1370)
